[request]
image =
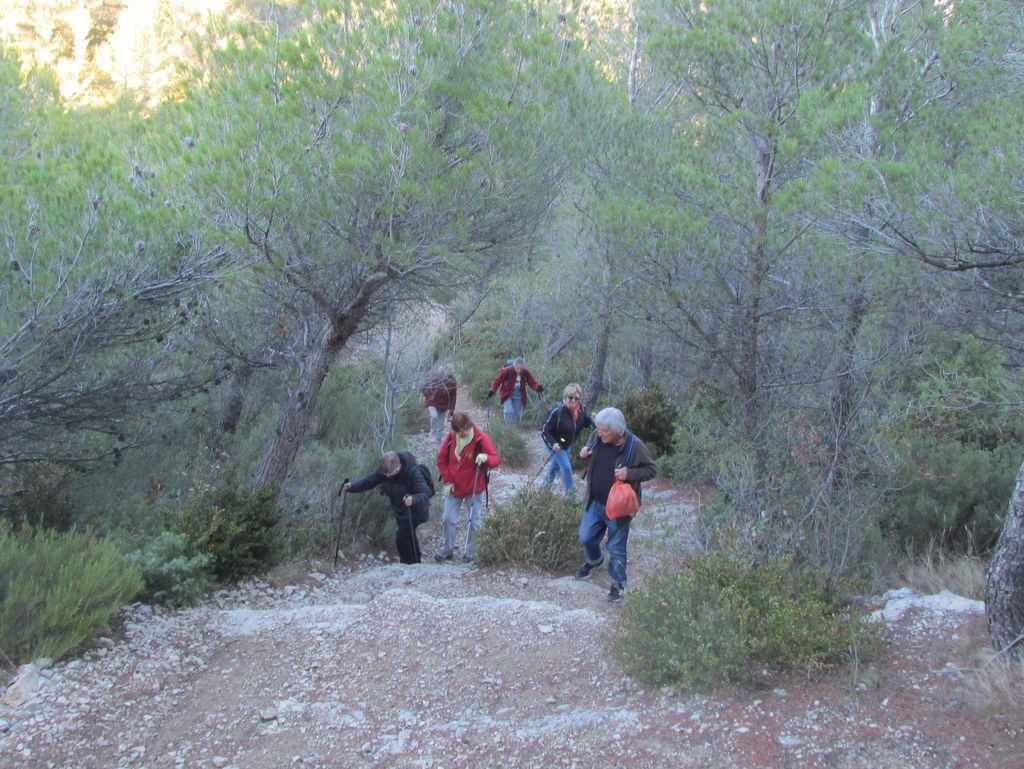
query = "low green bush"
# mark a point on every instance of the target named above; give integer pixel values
(510, 444)
(538, 527)
(721, 619)
(172, 574)
(235, 528)
(650, 415)
(58, 590)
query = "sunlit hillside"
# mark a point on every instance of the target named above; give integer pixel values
(100, 49)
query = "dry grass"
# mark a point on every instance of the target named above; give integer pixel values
(995, 687)
(937, 570)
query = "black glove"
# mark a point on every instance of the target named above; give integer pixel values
(540, 388)
(490, 394)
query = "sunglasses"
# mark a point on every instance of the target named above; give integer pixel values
(572, 397)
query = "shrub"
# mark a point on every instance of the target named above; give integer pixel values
(954, 493)
(36, 496)
(236, 529)
(650, 415)
(537, 527)
(510, 444)
(58, 590)
(171, 573)
(722, 618)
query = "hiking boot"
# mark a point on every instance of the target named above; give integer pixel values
(584, 571)
(441, 556)
(616, 592)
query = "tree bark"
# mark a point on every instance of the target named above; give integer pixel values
(295, 417)
(1004, 592)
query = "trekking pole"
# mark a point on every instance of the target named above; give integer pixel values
(341, 519)
(412, 533)
(469, 516)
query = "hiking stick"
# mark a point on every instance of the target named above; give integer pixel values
(469, 515)
(412, 533)
(341, 519)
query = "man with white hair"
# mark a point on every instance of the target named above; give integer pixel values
(615, 454)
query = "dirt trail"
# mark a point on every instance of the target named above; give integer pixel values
(378, 664)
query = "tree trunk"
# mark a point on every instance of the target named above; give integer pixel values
(1004, 593)
(234, 398)
(291, 429)
(593, 390)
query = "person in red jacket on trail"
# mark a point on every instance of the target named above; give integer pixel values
(440, 393)
(465, 456)
(511, 384)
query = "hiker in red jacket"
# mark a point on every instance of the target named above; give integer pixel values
(511, 384)
(440, 392)
(465, 456)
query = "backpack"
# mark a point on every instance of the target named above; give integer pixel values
(423, 470)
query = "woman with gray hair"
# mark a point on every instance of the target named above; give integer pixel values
(614, 454)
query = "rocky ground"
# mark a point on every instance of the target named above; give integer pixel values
(376, 664)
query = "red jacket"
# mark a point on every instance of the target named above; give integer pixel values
(461, 471)
(441, 394)
(506, 380)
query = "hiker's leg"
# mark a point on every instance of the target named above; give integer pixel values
(618, 535)
(592, 528)
(564, 466)
(476, 507)
(450, 522)
(404, 533)
(550, 469)
(436, 423)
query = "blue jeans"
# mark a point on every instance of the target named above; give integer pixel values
(593, 526)
(474, 505)
(512, 409)
(560, 463)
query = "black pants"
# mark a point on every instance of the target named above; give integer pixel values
(406, 543)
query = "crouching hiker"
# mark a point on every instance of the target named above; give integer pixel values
(402, 482)
(615, 454)
(465, 456)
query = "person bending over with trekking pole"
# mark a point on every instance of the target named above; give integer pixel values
(615, 454)
(402, 481)
(511, 384)
(563, 425)
(465, 456)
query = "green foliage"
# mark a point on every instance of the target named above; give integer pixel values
(58, 590)
(538, 527)
(952, 495)
(36, 496)
(509, 442)
(956, 447)
(721, 618)
(235, 528)
(346, 414)
(650, 415)
(171, 572)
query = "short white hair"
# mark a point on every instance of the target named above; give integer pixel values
(611, 418)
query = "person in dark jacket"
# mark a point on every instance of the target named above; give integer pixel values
(440, 393)
(563, 425)
(511, 384)
(407, 492)
(615, 454)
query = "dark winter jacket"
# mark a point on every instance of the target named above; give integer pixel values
(407, 481)
(506, 380)
(560, 428)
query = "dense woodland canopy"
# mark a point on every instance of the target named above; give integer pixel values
(784, 235)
